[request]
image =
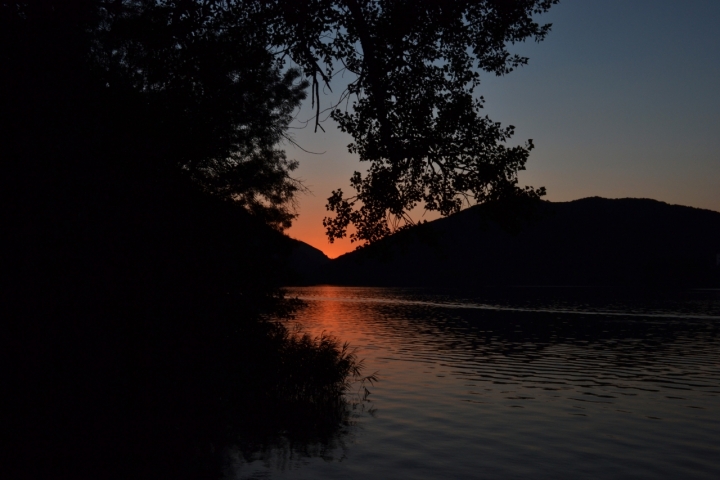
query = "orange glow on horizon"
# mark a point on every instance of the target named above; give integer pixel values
(320, 241)
(308, 228)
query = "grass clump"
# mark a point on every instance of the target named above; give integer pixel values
(298, 385)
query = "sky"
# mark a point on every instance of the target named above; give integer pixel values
(622, 99)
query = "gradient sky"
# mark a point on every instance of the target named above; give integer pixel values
(621, 100)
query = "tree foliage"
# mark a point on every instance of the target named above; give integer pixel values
(213, 77)
(194, 80)
(141, 169)
(411, 110)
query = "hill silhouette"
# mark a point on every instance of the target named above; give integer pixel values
(591, 241)
(305, 262)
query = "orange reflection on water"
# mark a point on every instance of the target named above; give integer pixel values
(327, 313)
(353, 315)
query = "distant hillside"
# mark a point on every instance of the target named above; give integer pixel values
(592, 241)
(305, 262)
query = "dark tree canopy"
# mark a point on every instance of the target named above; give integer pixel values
(212, 78)
(207, 72)
(141, 170)
(411, 110)
(193, 86)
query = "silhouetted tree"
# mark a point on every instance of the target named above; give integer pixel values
(141, 170)
(125, 120)
(210, 78)
(411, 109)
(211, 96)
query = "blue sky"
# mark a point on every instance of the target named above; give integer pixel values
(621, 100)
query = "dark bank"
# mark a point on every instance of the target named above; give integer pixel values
(141, 274)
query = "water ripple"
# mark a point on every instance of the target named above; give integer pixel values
(615, 383)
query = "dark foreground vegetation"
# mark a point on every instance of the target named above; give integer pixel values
(127, 362)
(140, 280)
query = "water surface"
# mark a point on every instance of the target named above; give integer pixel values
(518, 383)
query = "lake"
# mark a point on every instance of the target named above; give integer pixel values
(517, 383)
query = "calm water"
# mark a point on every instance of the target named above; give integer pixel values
(518, 383)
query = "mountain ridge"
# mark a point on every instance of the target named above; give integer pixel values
(589, 241)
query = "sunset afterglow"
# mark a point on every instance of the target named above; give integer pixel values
(620, 100)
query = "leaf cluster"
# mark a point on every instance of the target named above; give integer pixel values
(194, 81)
(411, 109)
(214, 91)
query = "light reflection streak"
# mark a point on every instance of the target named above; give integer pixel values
(477, 306)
